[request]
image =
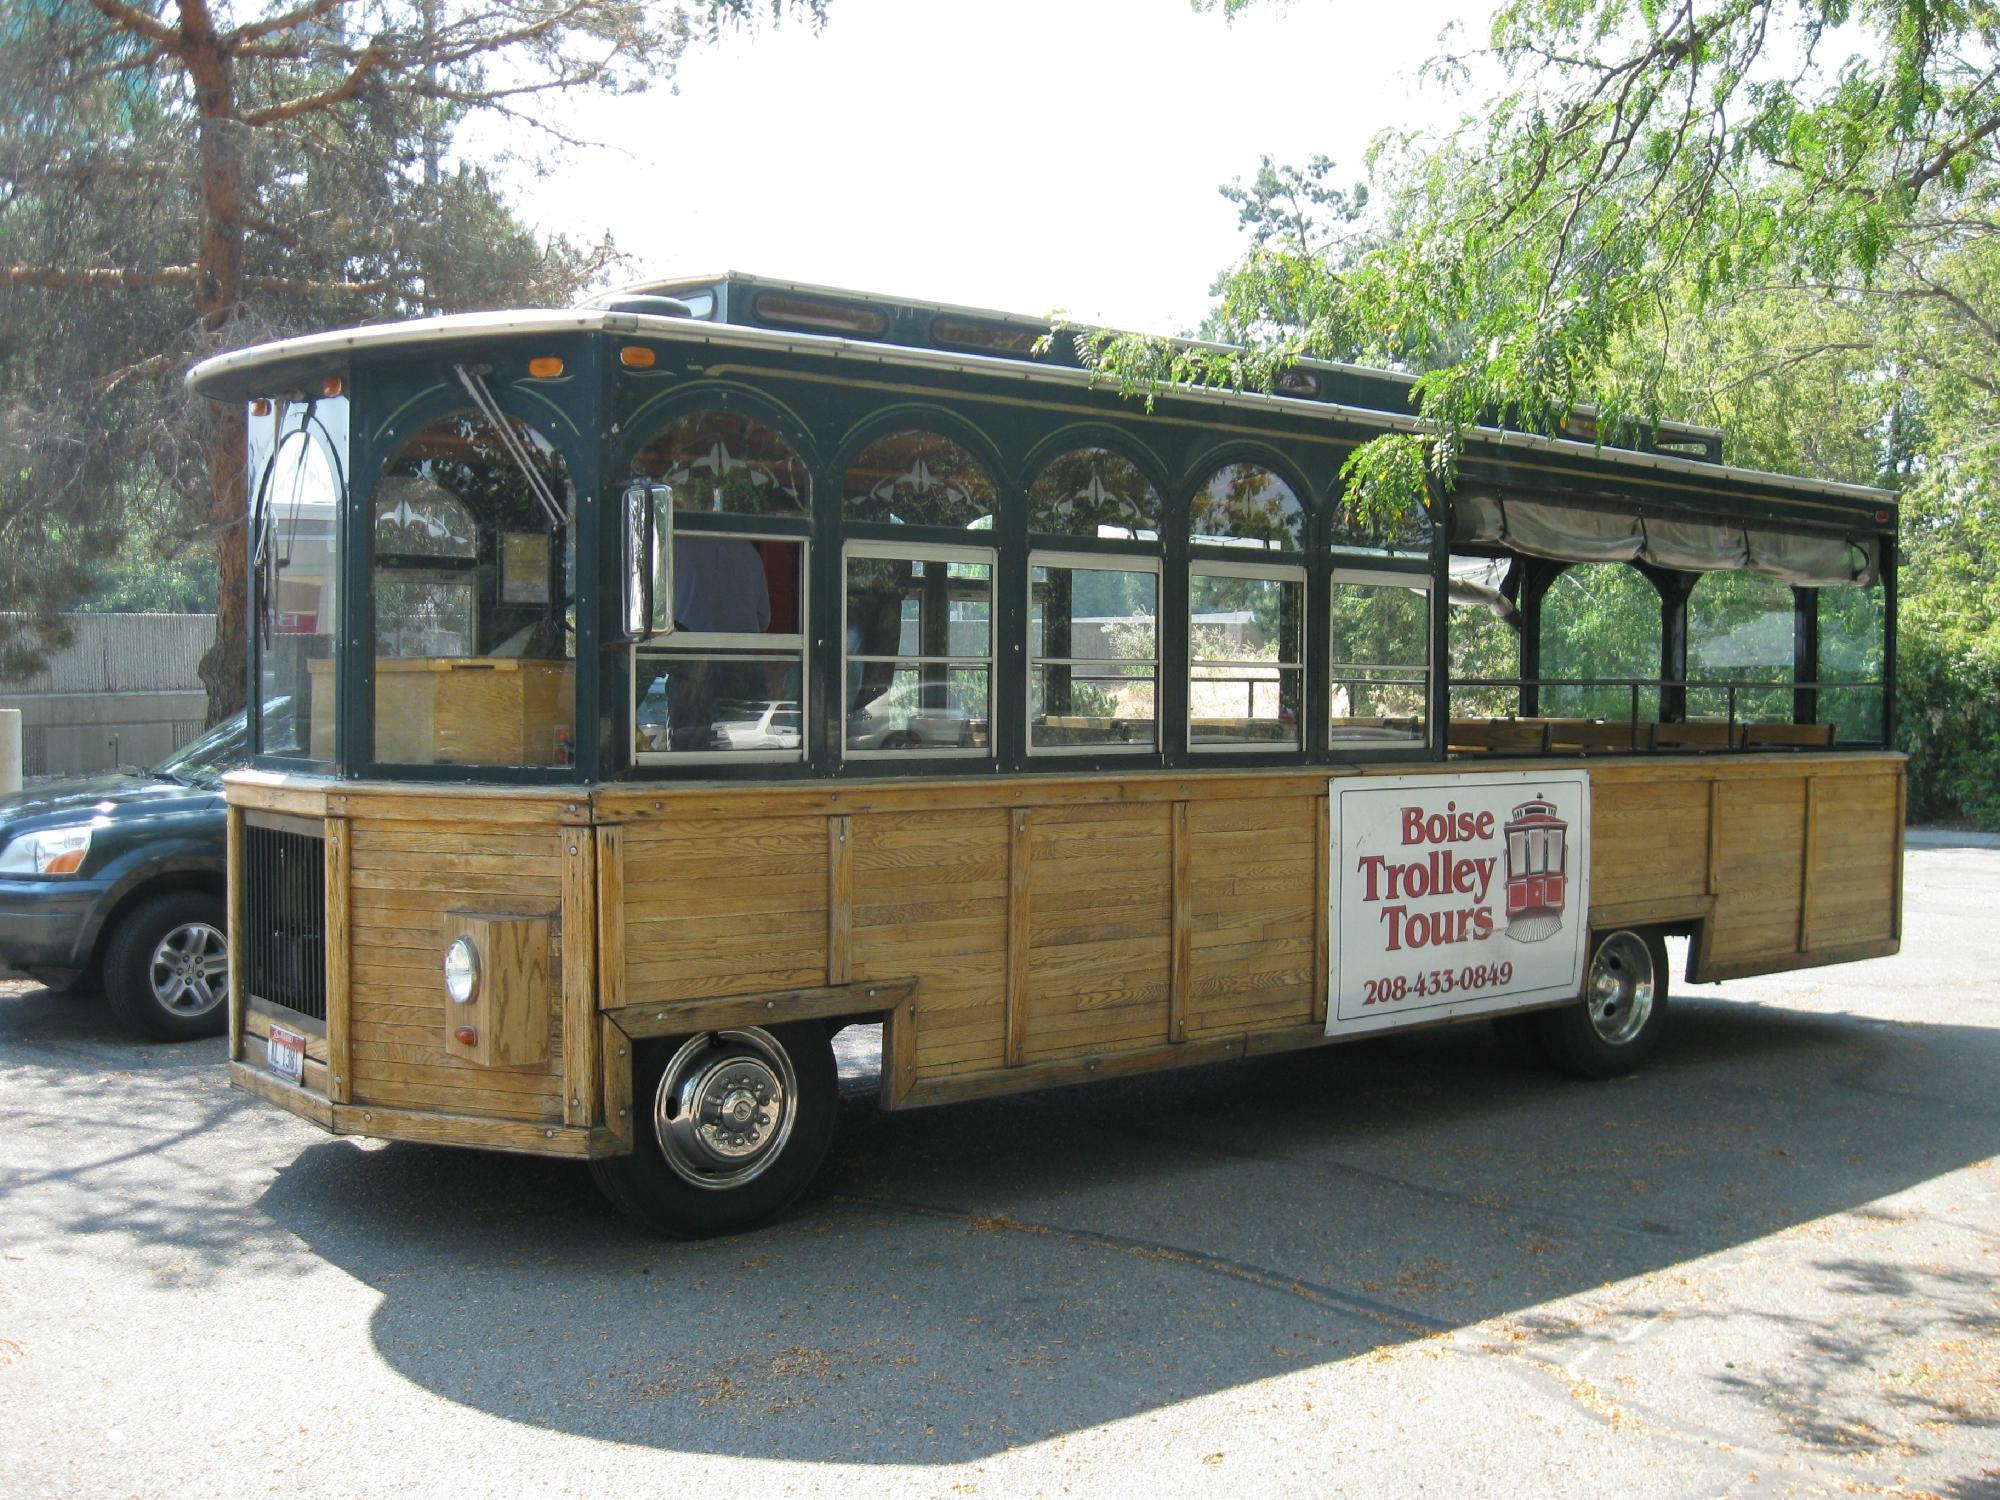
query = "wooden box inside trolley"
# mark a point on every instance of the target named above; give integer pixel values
(646, 692)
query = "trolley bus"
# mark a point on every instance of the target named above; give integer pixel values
(669, 683)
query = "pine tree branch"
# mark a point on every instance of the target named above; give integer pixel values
(132, 19)
(291, 20)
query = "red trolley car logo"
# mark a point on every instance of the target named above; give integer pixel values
(1537, 871)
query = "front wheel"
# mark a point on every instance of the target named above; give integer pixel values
(166, 967)
(1617, 1021)
(730, 1128)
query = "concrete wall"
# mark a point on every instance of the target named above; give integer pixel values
(126, 691)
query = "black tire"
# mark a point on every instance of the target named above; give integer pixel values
(1520, 1040)
(667, 1185)
(166, 967)
(1615, 1024)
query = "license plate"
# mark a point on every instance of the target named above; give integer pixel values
(285, 1054)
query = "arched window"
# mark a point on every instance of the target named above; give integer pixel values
(1408, 532)
(416, 517)
(1094, 492)
(296, 541)
(918, 478)
(725, 463)
(1246, 505)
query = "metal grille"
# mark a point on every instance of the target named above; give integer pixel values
(284, 907)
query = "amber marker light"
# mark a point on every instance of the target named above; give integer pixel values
(636, 357)
(332, 386)
(66, 861)
(260, 407)
(545, 367)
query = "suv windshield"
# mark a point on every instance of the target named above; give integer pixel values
(223, 748)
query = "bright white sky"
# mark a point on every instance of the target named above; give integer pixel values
(1029, 155)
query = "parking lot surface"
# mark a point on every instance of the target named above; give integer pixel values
(1767, 1266)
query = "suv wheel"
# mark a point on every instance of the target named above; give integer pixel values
(166, 968)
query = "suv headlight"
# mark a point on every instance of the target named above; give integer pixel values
(48, 851)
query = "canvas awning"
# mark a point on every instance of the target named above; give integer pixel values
(1581, 534)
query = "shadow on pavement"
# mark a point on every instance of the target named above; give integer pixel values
(969, 1278)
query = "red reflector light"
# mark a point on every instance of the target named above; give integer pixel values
(332, 386)
(466, 1036)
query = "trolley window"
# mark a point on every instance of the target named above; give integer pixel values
(1093, 653)
(725, 463)
(1246, 505)
(918, 664)
(474, 578)
(729, 682)
(1094, 492)
(1381, 632)
(918, 478)
(1246, 667)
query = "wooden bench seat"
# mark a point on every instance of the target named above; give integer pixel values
(1500, 736)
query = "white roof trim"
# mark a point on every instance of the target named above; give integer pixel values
(232, 368)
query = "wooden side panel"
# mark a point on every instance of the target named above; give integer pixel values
(1181, 977)
(930, 901)
(1760, 867)
(339, 938)
(610, 918)
(1257, 893)
(839, 900)
(579, 975)
(1648, 840)
(724, 906)
(238, 929)
(1020, 930)
(1857, 859)
(1100, 929)
(406, 878)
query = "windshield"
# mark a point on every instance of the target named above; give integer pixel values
(223, 748)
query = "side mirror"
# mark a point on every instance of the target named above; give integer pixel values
(649, 560)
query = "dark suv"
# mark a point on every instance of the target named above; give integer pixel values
(121, 878)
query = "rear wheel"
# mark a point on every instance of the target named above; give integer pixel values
(1617, 1021)
(730, 1128)
(166, 967)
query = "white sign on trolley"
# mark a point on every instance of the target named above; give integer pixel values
(1455, 894)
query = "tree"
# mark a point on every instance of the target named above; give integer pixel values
(178, 178)
(1780, 217)
(1646, 161)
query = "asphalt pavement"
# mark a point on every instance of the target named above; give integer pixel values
(1767, 1266)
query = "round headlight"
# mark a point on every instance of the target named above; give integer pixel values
(461, 971)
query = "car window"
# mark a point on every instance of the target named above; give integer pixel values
(223, 748)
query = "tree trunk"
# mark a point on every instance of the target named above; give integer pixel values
(219, 297)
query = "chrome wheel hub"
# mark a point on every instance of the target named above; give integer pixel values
(725, 1107)
(189, 970)
(1618, 992)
